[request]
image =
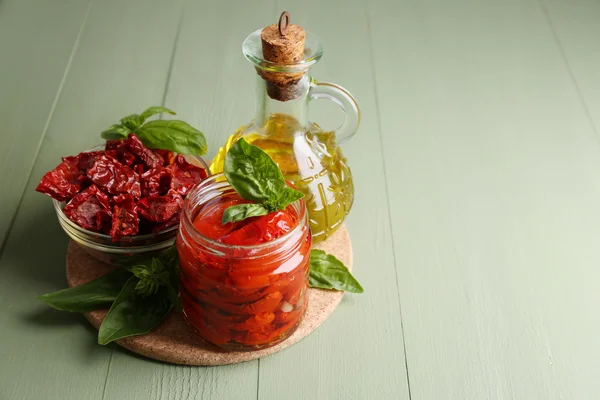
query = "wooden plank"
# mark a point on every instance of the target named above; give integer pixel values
(358, 353)
(576, 24)
(35, 53)
(133, 378)
(121, 66)
(207, 88)
(494, 181)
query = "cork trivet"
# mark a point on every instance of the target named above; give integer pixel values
(283, 44)
(174, 341)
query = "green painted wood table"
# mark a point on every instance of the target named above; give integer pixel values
(476, 225)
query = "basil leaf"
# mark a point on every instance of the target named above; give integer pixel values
(174, 135)
(151, 277)
(131, 122)
(150, 111)
(133, 314)
(327, 272)
(243, 211)
(253, 174)
(90, 296)
(115, 132)
(287, 197)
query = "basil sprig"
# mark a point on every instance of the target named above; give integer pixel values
(255, 177)
(174, 135)
(327, 272)
(140, 296)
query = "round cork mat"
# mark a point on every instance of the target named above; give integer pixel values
(174, 341)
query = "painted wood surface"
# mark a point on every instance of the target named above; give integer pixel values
(477, 174)
(35, 54)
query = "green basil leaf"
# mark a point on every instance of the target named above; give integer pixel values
(327, 272)
(150, 111)
(151, 277)
(132, 122)
(174, 135)
(115, 132)
(133, 314)
(253, 174)
(90, 296)
(287, 197)
(243, 211)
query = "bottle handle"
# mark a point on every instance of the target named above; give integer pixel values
(343, 98)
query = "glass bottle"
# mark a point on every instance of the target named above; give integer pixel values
(307, 155)
(241, 297)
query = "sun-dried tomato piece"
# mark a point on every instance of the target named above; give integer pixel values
(102, 197)
(148, 157)
(160, 208)
(261, 229)
(83, 208)
(104, 221)
(115, 177)
(125, 200)
(139, 169)
(84, 161)
(155, 182)
(127, 158)
(62, 182)
(167, 155)
(124, 223)
(174, 220)
(186, 175)
(114, 144)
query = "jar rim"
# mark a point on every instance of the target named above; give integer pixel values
(216, 182)
(252, 49)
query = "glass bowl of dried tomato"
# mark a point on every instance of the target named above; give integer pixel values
(122, 199)
(244, 285)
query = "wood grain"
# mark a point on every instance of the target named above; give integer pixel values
(575, 25)
(494, 174)
(35, 55)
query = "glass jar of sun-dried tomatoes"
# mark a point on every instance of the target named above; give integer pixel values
(243, 284)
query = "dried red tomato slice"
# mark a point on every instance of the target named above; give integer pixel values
(186, 175)
(114, 144)
(150, 158)
(83, 208)
(127, 158)
(160, 208)
(62, 182)
(85, 160)
(115, 177)
(155, 182)
(261, 229)
(125, 200)
(167, 155)
(104, 221)
(124, 223)
(174, 220)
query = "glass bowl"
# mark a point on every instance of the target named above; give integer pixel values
(101, 246)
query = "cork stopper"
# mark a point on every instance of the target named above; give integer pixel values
(283, 44)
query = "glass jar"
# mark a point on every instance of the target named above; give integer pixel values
(308, 156)
(241, 297)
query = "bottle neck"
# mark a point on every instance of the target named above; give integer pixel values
(269, 108)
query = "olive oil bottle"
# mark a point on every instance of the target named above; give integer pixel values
(308, 156)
